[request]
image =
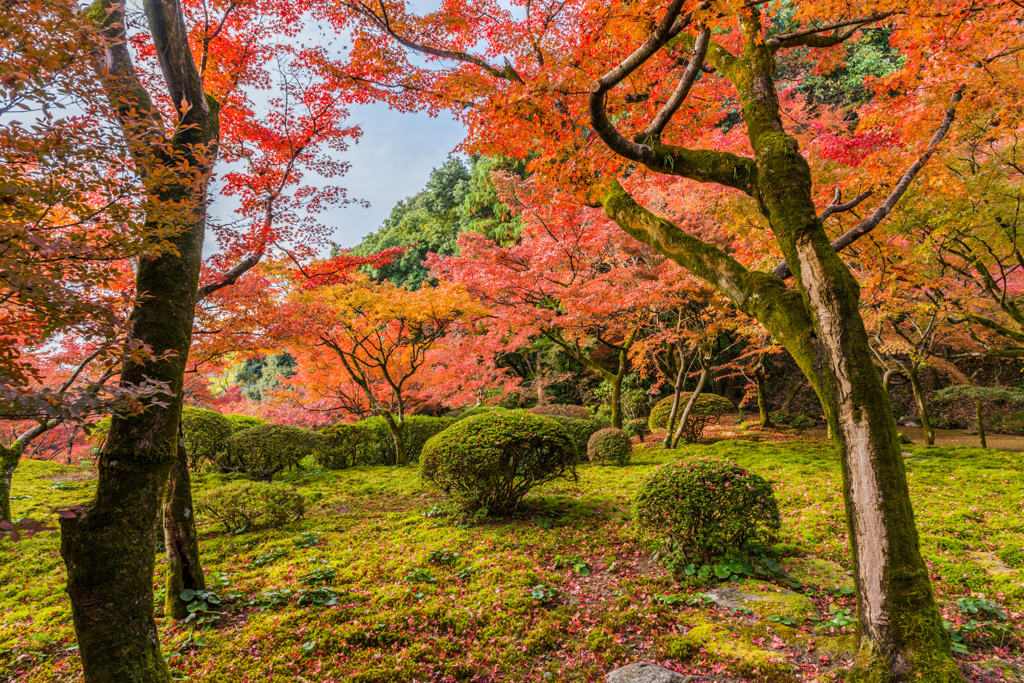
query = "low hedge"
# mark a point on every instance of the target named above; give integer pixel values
(265, 450)
(489, 462)
(580, 431)
(575, 412)
(205, 432)
(239, 423)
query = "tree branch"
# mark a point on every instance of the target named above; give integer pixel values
(693, 69)
(170, 38)
(872, 221)
(809, 37)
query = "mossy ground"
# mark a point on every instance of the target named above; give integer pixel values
(405, 615)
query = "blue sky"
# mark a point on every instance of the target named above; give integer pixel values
(392, 161)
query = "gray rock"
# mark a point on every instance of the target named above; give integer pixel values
(643, 672)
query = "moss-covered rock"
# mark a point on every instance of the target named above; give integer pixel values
(740, 655)
(812, 571)
(764, 599)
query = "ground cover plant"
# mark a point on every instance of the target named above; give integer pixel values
(373, 585)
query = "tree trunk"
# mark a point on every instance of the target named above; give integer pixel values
(787, 403)
(184, 565)
(763, 408)
(690, 403)
(617, 400)
(981, 422)
(9, 458)
(677, 392)
(887, 381)
(401, 457)
(922, 408)
(109, 544)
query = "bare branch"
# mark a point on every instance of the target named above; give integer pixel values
(876, 217)
(693, 69)
(838, 207)
(809, 37)
(231, 276)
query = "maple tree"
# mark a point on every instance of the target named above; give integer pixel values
(378, 336)
(596, 90)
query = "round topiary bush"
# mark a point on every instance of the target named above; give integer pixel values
(709, 508)
(347, 444)
(248, 505)
(637, 427)
(707, 408)
(479, 410)
(575, 412)
(491, 461)
(265, 450)
(609, 447)
(206, 432)
(239, 423)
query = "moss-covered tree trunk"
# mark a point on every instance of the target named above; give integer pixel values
(9, 458)
(763, 407)
(109, 545)
(397, 436)
(979, 418)
(922, 407)
(184, 565)
(900, 631)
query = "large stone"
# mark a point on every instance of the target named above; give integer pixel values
(643, 672)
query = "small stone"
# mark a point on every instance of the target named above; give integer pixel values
(644, 672)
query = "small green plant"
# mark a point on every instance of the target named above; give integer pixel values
(269, 599)
(443, 557)
(544, 594)
(318, 576)
(269, 557)
(838, 618)
(64, 486)
(323, 597)
(785, 621)
(307, 539)
(573, 562)
(202, 605)
(420, 575)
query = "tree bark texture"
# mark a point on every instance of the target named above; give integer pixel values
(9, 458)
(900, 631)
(109, 545)
(689, 404)
(184, 564)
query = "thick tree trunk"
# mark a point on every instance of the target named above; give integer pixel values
(922, 407)
(184, 565)
(9, 458)
(763, 408)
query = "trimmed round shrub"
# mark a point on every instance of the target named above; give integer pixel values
(263, 451)
(575, 412)
(239, 423)
(580, 431)
(609, 447)
(247, 505)
(206, 432)
(416, 429)
(637, 427)
(708, 508)
(347, 444)
(705, 409)
(491, 461)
